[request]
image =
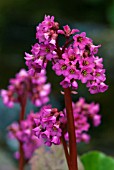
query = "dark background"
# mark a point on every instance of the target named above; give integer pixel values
(18, 20)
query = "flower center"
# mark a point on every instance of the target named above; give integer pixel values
(41, 57)
(79, 39)
(85, 63)
(84, 72)
(72, 57)
(94, 87)
(55, 129)
(72, 71)
(97, 74)
(63, 67)
(47, 50)
(95, 50)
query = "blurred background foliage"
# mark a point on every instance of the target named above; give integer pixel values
(18, 20)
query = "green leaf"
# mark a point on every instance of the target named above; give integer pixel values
(97, 161)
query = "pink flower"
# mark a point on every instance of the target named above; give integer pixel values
(81, 40)
(48, 125)
(85, 74)
(87, 62)
(35, 49)
(102, 87)
(73, 72)
(98, 62)
(67, 31)
(70, 56)
(94, 49)
(35, 88)
(66, 83)
(61, 68)
(99, 75)
(83, 113)
(51, 123)
(23, 133)
(46, 31)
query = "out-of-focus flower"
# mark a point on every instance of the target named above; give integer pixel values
(48, 125)
(34, 87)
(23, 133)
(83, 113)
(52, 124)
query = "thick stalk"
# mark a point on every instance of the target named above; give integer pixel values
(21, 159)
(71, 129)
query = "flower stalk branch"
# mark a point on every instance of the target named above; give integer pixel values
(71, 129)
(66, 151)
(22, 100)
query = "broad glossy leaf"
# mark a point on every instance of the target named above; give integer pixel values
(97, 161)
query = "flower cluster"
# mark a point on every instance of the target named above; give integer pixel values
(51, 124)
(83, 113)
(76, 60)
(23, 133)
(44, 50)
(34, 87)
(48, 125)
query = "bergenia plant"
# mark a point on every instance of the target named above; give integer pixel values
(76, 60)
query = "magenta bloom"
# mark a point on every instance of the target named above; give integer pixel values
(81, 40)
(61, 68)
(23, 133)
(83, 112)
(75, 60)
(85, 74)
(34, 87)
(67, 31)
(46, 31)
(51, 123)
(48, 125)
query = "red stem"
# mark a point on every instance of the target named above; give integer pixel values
(72, 164)
(71, 129)
(59, 52)
(21, 159)
(66, 151)
(66, 44)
